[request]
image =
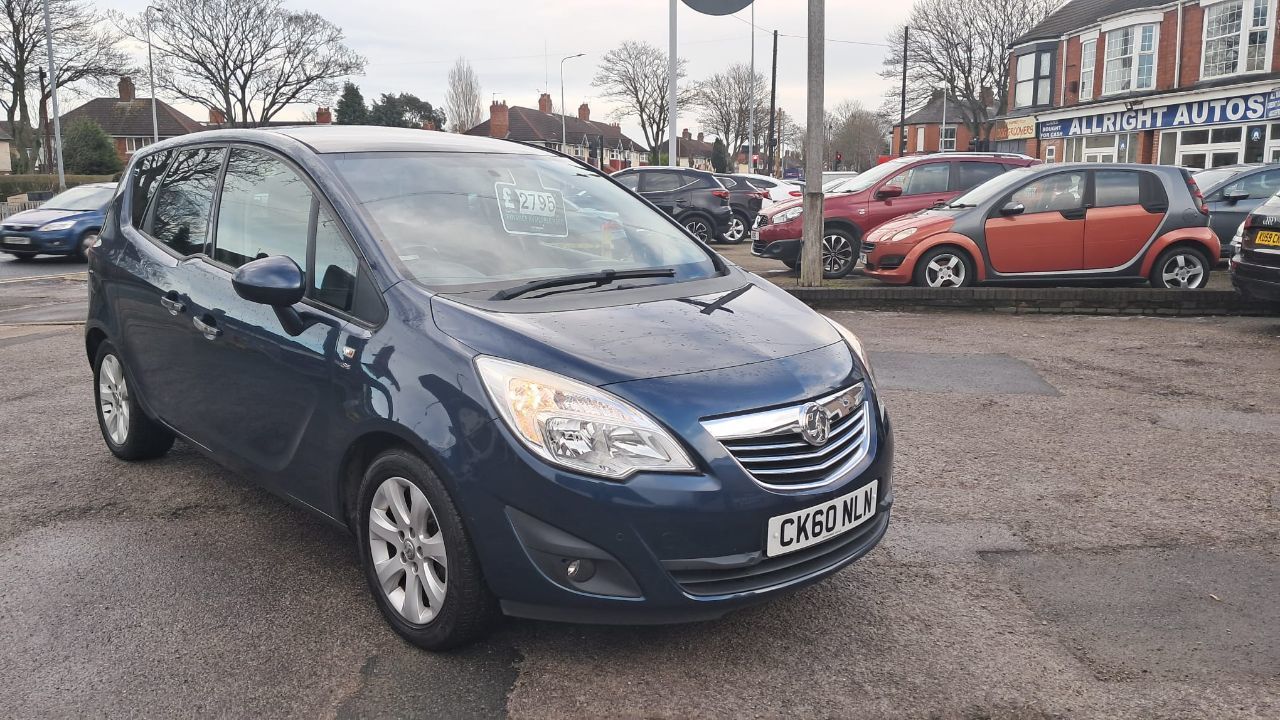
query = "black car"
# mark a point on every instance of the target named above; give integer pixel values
(745, 200)
(1255, 269)
(695, 198)
(1234, 191)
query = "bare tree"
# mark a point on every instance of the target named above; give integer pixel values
(462, 99)
(248, 59)
(724, 103)
(87, 55)
(634, 76)
(960, 49)
(857, 133)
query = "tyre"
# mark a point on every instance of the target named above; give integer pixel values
(128, 432)
(1180, 268)
(87, 241)
(944, 267)
(419, 562)
(22, 257)
(739, 228)
(699, 226)
(839, 253)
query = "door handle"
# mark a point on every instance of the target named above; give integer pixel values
(172, 304)
(208, 329)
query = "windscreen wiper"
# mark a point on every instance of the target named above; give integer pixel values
(594, 279)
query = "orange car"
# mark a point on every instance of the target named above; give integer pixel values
(1067, 222)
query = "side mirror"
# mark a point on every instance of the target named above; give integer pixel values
(276, 281)
(1235, 196)
(1012, 208)
(889, 191)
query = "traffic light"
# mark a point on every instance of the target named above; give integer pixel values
(839, 157)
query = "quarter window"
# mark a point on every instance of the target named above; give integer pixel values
(265, 210)
(334, 280)
(1231, 26)
(1034, 84)
(1088, 61)
(185, 199)
(1131, 59)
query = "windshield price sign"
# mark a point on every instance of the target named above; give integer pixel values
(527, 211)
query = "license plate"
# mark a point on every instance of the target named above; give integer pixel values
(1267, 237)
(798, 530)
(15, 240)
(755, 236)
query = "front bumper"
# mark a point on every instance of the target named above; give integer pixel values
(892, 263)
(59, 242)
(673, 548)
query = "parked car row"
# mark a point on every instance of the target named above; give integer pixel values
(713, 206)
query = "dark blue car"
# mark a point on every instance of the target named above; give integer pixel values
(67, 224)
(523, 389)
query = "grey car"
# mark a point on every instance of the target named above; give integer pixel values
(1234, 191)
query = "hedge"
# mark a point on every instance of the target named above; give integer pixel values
(18, 184)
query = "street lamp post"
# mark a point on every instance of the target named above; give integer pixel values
(53, 89)
(151, 71)
(564, 140)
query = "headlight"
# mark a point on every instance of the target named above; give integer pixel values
(854, 344)
(902, 235)
(576, 426)
(788, 215)
(59, 225)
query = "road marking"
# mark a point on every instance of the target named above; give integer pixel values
(84, 274)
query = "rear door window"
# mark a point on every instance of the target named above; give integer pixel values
(630, 180)
(924, 179)
(662, 181)
(972, 174)
(1115, 188)
(145, 182)
(266, 209)
(185, 200)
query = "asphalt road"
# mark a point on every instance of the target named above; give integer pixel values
(1087, 527)
(38, 266)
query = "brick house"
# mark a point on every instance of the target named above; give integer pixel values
(600, 144)
(926, 132)
(1190, 82)
(693, 151)
(127, 119)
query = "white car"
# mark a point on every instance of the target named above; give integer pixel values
(778, 190)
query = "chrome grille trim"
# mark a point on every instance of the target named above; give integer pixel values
(769, 447)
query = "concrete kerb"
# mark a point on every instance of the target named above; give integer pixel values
(1083, 301)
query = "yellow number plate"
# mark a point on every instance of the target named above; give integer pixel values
(1267, 237)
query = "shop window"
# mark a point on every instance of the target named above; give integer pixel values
(1034, 79)
(1193, 160)
(1195, 137)
(1222, 159)
(1072, 150)
(1088, 60)
(1229, 27)
(1168, 148)
(1131, 59)
(1222, 135)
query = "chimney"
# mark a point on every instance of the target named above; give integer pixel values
(499, 120)
(699, 137)
(686, 134)
(544, 102)
(988, 98)
(323, 116)
(584, 112)
(127, 93)
(216, 117)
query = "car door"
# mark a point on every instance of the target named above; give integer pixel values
(171, 203)
(1047, 234)
(262, 391)
(1226, 215)
(922, 186)
(1127, 207)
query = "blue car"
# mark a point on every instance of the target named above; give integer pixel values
(66, 224)
(521, 387)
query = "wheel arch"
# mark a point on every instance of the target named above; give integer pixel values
(1201, 239)
(93, 339)
(360, 452)
(842, 224)
(955, 241)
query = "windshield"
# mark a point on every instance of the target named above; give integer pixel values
(862, 181)
(837, 185)
(471, 221)
(80, 198)
(1206, 180)
(991, 188)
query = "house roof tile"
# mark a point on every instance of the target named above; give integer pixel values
(531, 125)
(133, 118)
(1077, 14)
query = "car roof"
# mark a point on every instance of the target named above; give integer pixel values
(363, 138)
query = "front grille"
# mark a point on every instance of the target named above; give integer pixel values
(17, 228)
(761, 221)
(764, 573)
(771, 446)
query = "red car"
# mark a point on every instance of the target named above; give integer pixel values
(900, 186)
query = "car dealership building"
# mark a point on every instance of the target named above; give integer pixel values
(1193, 83)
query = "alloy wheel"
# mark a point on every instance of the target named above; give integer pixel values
(945, 270)
(837, 253)
(699, 229)
(1184, 270)
(737, 230)
(408, 551)
(113, 399)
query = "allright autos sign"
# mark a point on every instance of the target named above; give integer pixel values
(1243, 108)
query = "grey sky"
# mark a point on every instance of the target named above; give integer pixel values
(411, 45)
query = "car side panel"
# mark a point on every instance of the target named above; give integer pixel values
(1115, 235)
(902, 275)
(1040, 242)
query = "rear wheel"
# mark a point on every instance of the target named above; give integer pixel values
(417, 558)
(1180, 268)
(738, 229)
(944, 267)
(128, 432)
(699, 227)
(839, 253)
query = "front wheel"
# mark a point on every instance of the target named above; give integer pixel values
(417, 558)
(1180, 268)
(737, 231)
(87, 240)
(944, 268)
(128, 432)
(839, 253)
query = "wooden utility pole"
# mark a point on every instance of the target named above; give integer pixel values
(811, 246)
(773, 106)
